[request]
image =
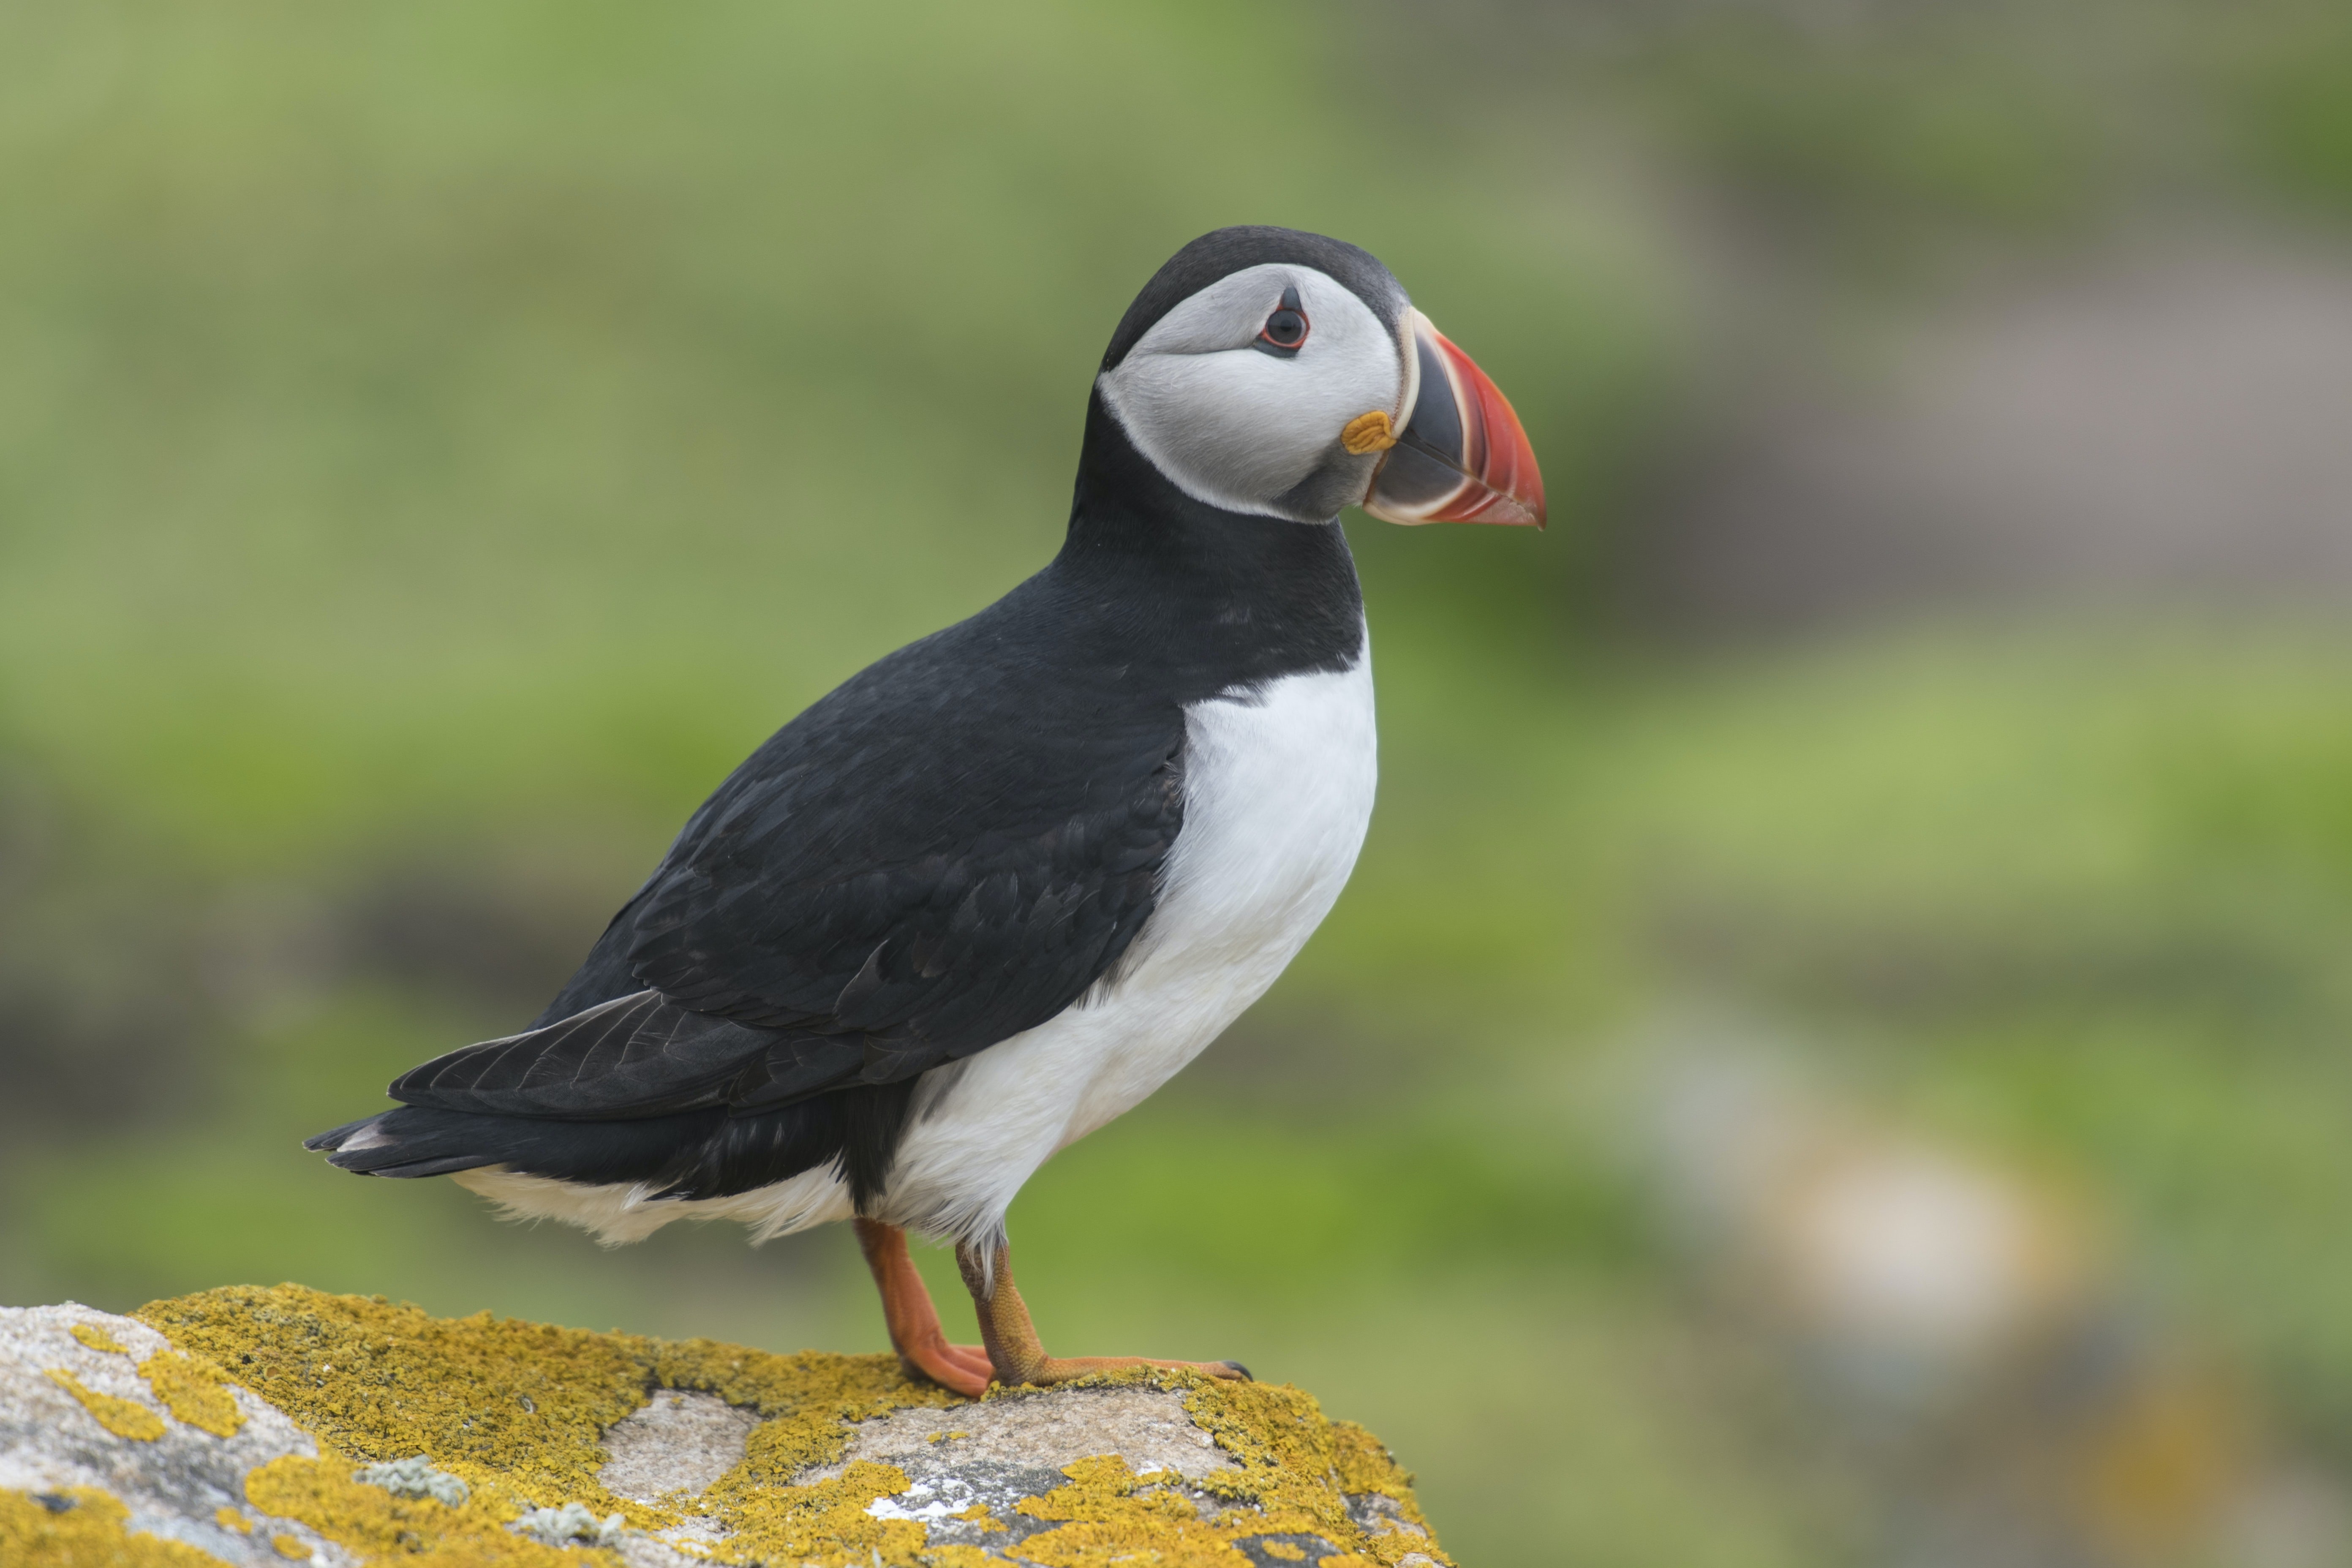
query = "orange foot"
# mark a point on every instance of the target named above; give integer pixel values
(914, 1322)
(1014, 1350)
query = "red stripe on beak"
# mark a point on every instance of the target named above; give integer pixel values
(1509, 487)
(1462, 456)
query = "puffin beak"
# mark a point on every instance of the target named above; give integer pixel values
(1458, 454)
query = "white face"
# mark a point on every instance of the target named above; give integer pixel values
(1245, 429)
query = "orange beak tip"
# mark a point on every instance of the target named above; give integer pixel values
(1471, 461)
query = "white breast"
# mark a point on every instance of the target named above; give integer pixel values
(1277, 793)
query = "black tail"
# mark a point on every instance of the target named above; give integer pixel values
(417, 1141)
(703, 1153)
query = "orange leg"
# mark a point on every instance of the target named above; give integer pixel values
(1011, 1339)
(914, 1322)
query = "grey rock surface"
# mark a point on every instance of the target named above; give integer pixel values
(175, 1485)
(1147, 1427)
(1008, 1449)
(678, 1442)
(996, 1453)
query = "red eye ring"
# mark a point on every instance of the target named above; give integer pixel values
(1287, 328)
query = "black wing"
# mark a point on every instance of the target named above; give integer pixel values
(635, 1056)
(946, 851)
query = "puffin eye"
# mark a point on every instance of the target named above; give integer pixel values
(1286, 328)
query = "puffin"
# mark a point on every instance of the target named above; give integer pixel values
(1000, 885)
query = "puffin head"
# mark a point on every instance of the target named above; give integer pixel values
(1282, 374)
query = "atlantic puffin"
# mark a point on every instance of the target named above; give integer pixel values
(1000, 885)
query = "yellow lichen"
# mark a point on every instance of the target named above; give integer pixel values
(402, 1382)
(380, 1527)
(193, 1391)
(1115, 1513)
(826, 1523)
(123, 1417)
(90, 1533)
(518, 1410)
(229, 1519)
(1287, 1458)
(1286, 1447)
(97, 1339)
(290, 1546)
(1284, 1550)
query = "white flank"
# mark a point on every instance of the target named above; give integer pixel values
(1278, 785)
(622, 1212)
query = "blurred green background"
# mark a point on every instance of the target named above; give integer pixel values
(436, 442)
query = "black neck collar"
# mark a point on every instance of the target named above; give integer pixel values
(1258, 595)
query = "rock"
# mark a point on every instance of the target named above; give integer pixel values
(678, 1442)
(68, 1441)
(253, 1427)
(988, 1459)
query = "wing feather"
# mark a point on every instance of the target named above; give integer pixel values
(926, 861)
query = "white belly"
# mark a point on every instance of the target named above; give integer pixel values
(1277, 793)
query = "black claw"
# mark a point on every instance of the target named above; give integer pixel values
(1238, 1367)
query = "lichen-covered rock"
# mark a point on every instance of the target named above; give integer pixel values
(255, 1427)
(84, 1421)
